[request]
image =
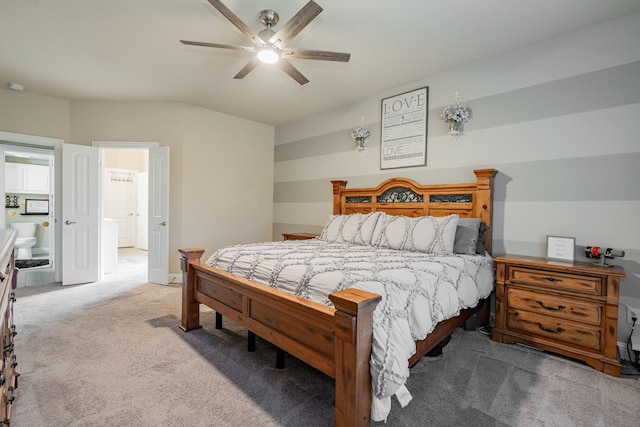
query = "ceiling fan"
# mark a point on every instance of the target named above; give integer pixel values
(269, 45)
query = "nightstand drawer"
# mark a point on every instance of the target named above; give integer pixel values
(554, 280)
(578, 334)
(552, 305)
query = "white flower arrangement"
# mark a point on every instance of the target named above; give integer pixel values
(456, 113)
(360, 132)
(360, 135)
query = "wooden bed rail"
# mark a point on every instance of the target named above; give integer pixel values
(336, 341)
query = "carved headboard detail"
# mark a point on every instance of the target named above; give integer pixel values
(403, 196)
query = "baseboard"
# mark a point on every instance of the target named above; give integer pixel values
(175, 279)
(622, 351)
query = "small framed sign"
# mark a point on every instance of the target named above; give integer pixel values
(561, 248)
(36, 207)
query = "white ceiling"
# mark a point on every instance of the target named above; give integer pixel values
(129, 50)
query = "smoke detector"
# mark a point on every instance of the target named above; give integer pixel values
(16, 86)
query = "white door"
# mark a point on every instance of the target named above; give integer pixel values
(142, 214)
(80, 214)
(158, 264)
(120, 202)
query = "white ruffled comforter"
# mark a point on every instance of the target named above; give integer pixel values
(418, 291)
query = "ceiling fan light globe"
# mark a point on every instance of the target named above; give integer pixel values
(268, 56)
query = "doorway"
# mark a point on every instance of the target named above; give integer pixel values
(125, 179)
(81, 174)
(28, 185)
(157, 207)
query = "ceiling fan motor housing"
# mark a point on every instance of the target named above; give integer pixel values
(269, 17)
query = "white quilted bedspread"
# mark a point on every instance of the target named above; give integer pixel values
(418, 291)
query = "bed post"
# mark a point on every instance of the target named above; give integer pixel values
(353, 338)
(190, 307)
(484, 202)
(338, 186)
(482, 208)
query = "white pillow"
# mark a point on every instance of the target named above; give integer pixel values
(355, 228)
(428, 234)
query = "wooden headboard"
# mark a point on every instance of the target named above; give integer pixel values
(403, 196)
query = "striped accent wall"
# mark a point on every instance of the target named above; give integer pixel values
(567, 151)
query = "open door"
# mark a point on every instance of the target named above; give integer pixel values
(80, 214)
(158, 263)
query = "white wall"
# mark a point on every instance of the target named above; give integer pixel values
(558, 120)
(221, 172)
(221, 167)
(28, 113)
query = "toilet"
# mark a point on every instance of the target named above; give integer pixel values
(26, 239)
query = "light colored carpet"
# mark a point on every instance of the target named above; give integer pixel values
(111, 354)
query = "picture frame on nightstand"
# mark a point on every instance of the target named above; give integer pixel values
(561, 248)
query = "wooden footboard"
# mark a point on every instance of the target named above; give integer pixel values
(336, 341)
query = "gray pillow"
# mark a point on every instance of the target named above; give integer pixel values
(467, 233)
(481, 239)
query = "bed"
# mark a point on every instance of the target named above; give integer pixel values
(337, 338)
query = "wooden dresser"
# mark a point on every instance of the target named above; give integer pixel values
(9, 366)
(566, 308)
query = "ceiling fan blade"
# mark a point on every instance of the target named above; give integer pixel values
(320, 55)
(224, 10)
(221, 46)
(253, 63)
(292, 71)
(297, 23)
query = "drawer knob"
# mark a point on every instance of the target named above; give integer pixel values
(552, 279)
(546, 307)
(551, 331)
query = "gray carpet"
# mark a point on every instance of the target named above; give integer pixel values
(111, 354)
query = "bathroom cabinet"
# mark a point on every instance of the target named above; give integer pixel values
(24, 178)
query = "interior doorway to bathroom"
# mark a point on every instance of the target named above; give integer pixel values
(65, 224)
(83, 213)
(28, 185)
(125, 182)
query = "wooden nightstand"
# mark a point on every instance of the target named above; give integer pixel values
(565, 308)
(298, 236)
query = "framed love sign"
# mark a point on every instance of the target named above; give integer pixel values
(403, 140)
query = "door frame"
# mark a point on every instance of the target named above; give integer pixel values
(132, 145)
(56, 145)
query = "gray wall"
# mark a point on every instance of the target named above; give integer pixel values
(558, 120)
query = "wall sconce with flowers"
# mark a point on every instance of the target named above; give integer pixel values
(360, 134)
(456, 115)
